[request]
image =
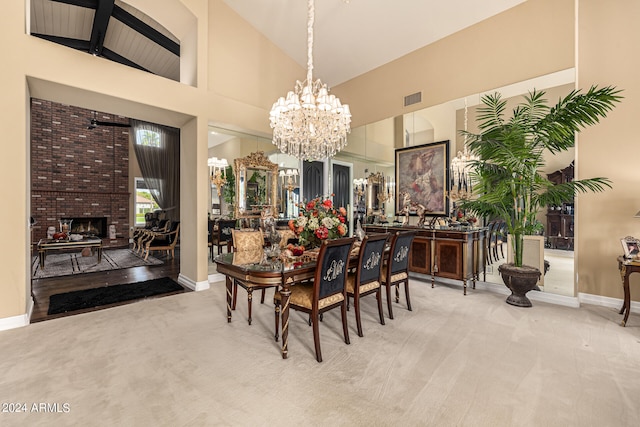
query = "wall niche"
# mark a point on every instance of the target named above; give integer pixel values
(78, 170)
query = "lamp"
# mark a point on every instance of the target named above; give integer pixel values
(308, 123)
(216, 172)
(289, 178)
(461, 166)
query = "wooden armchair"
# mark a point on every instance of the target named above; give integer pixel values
(396, 270)
(367, 277)
(165, 241)
(326, 292)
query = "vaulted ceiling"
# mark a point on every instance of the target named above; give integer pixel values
(110, 29)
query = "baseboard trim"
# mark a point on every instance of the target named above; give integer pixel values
(217, 277)
(191, 284)
(607, 302)
(502, 289)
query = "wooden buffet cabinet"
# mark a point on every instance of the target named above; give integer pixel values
(457, 253)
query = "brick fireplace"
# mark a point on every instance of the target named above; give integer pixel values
(77, 172)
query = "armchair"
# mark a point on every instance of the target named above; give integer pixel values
(163, 241)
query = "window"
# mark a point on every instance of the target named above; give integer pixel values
(144, 202)
(148, 138)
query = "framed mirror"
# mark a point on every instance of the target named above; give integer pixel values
(256, 185)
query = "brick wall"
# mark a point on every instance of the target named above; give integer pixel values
(78, 172)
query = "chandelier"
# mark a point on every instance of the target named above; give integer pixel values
(216, 172)
(308, 123)
(461, 167)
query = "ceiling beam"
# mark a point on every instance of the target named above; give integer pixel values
(146, 30)
(82, 45)
(90, 4)
(100, 24)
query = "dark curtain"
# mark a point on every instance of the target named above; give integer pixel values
(159, 160)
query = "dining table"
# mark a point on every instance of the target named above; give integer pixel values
(261, 270)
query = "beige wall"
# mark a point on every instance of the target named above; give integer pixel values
(529, 40)
(607, 55)
(239, 74)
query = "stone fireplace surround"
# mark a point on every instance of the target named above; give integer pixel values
(78, 172)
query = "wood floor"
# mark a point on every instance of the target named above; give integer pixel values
(42, 289)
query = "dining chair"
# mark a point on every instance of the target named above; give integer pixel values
(223, 235)
(211, 230)
(366, 280)
(325, 292)
(396, 270)
(247, 241)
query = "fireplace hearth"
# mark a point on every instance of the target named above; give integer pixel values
(94, 226)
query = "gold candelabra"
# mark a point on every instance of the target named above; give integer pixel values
(289, 179)
(216, 172)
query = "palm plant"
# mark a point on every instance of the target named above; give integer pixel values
(511, 152)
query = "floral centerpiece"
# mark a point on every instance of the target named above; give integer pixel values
(319, 220)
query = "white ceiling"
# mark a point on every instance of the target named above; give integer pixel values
(352, 37)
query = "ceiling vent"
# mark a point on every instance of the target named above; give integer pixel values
(414, 98)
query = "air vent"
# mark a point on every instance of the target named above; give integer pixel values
(414, 98)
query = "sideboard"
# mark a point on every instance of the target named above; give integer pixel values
(457, 253)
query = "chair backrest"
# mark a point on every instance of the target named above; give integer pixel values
(370, 258)
(399, 253)
(224, 230)
(247, 240)
(333, 264)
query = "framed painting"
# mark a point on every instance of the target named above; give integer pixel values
(630, 247)
(421, 179)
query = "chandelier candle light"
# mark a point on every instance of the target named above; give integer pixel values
(308, 123)
(216, 172)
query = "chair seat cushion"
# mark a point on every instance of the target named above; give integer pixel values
(398, 277)
(302, 296)
(351, 284)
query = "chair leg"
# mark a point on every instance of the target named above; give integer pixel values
(501, 251)
(356, 307)
(379, 298)
(388, 286)
(277, 309)
(235, 295)
(397, 292)
(406, 292)
(249, 302)
(345, 329)
(316, 339)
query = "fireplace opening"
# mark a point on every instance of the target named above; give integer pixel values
(94, 226)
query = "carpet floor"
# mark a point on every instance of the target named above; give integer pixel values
(68, 263)
(453, 361)
(105, 295)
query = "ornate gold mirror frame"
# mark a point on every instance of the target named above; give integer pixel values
(256, 186)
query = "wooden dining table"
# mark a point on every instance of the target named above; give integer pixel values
(251, 267)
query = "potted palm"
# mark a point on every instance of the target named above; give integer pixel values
(507, 175)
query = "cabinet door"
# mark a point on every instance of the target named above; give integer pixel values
(420, 256)
(449, 259)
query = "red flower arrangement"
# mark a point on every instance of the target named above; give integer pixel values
(319, 220)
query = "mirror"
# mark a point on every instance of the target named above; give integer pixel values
(256, 185)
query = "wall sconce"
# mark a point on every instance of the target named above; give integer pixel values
(289, 179)
(359, 187)
(216, 172)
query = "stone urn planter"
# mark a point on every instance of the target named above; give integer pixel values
(519, 280)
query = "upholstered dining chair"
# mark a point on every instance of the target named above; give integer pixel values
(246, 241)
(326, 291)
(396, 270)
(366, 280)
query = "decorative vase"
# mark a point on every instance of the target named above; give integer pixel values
(519, 280)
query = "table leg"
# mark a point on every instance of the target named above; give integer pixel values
(99, 254)
(229, 293)
(285, 292)
(627, 300)
(41, 255)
